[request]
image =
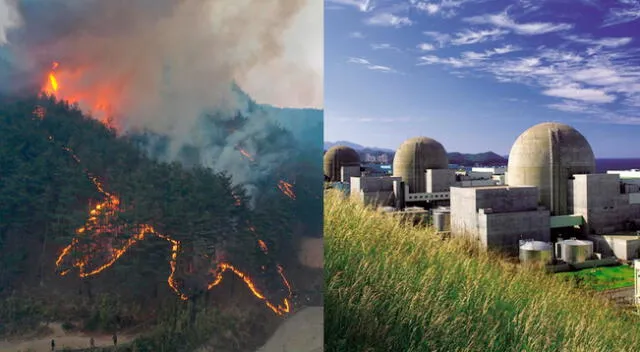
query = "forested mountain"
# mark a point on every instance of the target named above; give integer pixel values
(174, 223)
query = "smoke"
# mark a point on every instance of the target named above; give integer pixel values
(9, 18)
(163, 65)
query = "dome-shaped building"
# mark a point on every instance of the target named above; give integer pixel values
(547, 155)
(337, 157)
(414, 157)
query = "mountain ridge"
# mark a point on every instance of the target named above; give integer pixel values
(488, 158)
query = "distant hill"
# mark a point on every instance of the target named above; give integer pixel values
(374, 154)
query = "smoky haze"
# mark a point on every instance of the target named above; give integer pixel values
(159, 65)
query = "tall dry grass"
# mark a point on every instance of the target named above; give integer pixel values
(394, 287)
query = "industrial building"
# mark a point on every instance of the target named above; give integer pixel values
(550, 190)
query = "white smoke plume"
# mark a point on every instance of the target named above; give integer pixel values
(160, 64)
(9, 18)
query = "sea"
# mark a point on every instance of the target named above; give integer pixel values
(602, 165)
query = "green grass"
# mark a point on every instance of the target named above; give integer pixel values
(395, 287)
(603, 278)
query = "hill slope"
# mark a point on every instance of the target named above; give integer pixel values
(395, 287)
(57, 164)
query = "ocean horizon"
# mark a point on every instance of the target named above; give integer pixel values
(604, 164)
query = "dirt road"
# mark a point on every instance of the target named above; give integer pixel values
(302, 332)
(62, 340)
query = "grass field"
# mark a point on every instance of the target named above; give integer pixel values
(393, 287)
(604, 278)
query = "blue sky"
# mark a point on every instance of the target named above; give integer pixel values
(474, 74)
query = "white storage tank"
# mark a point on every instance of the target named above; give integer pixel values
(442, 220)
(573, 251)
(536, 251)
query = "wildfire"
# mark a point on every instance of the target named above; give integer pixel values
(246, 154)
(99, 107)
(108, 209)
(101, 230)
(287, 189)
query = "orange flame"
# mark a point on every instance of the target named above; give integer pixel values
(98, 223)
(246, 154)
(53, 87)
(287, 189)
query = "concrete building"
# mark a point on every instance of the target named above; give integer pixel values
(414, 157)
(337, 158)
(500, 216)
(547, 156)
(551, 191)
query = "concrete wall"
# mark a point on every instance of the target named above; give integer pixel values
(503, 231)
(439, 180)
(622, 248)
(598, 199)
(498, 216)
(376, 191)
(504, 199)
(464, 217)
(346, 172)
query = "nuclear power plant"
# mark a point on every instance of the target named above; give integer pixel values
(549, 194)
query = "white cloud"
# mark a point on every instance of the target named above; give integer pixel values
(605, 42)
(449, 61)
(468, 58)
(361, 5)
(429, 8)
(356, 35)
(576, 92)
(426, 47)
(473, 37)
(570, 106)
(447, 8)
(502, 20)
(386, 19)
(366, 63)
(384, 46)
(628, 12)
(600, 76)
(489, 53)
(440, 38)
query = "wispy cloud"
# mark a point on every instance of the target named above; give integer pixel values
(502, 20)
(468, 58)
(577, 92)
(628, 11)
(446, 8)
(361, 5)
(602, 42)
(472, 37)
(384, 46)
(356, 35)
(440, 38)
(366, 63)
(489, 53)
(387, 19)
(426, 47)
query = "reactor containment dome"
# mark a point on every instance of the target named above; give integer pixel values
(337, 157)
(547, 155)
(414, 157)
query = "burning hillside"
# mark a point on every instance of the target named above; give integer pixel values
(142, 170)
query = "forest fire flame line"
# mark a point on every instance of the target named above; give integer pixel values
(109, 208)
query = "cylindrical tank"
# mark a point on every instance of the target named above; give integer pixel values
(536, 251)
(438, 221)
(337, 157)
(546, 156)
(574, 251)
(414, 157)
